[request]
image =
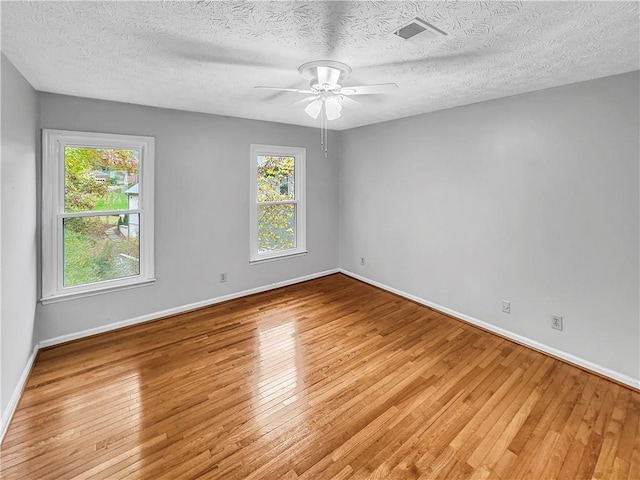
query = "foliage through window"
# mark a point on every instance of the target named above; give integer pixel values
(277, 198)
(98, 224)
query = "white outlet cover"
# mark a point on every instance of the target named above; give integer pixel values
(506, 306)
(556, 322)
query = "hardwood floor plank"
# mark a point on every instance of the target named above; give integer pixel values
(634, 466)
(327, 379)
(497, 440)
(606, 463)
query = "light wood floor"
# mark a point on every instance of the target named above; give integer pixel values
(327, 379)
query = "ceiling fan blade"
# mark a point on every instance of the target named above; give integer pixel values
(304, 100)
(369, 89)
(280, 89)
(349, 102)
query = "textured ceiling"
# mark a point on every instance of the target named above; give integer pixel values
(207, 56)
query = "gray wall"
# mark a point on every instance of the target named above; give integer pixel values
(18, 252)
(532, 198)
(201, 210)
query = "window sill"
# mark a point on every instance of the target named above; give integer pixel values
(63, 297)
(279, 257)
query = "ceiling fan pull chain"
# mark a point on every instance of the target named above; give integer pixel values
(322, 116)
(324, 127)
(326, 136)
(326, 141)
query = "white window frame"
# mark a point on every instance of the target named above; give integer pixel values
(53, 214)
(299, 200)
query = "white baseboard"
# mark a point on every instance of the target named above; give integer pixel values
(181, 309)
(7, 415)
(581, 362)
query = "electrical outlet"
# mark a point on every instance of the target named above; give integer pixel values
(506, 306)
(223, 277)
(361, 260)
(556, 322)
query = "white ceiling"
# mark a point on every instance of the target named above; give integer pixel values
(207, 56)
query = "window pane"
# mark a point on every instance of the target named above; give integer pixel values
(276, 227)
(275, 178)
(100, 179)
(100, 248)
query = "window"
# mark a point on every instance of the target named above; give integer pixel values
(277, 202)
(97, 213)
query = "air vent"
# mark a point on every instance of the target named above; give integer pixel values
(418, 31)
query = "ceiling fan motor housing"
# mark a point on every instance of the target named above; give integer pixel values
(325, 75)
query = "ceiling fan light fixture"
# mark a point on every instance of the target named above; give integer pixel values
(333, 107)
(314, 108)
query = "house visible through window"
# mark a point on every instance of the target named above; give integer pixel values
(97, 215)
(277, 202)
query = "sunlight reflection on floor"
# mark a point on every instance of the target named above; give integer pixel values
(279, 371)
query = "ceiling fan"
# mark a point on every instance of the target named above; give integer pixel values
(326, 93)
